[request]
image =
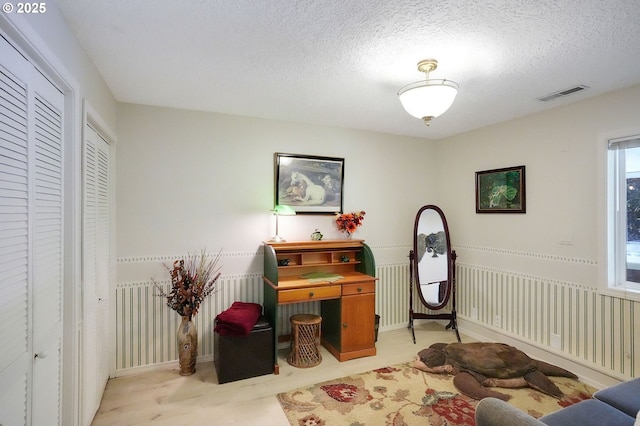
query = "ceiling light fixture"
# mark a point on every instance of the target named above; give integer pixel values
(427, 99)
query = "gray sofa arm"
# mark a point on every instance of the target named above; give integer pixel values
(496, 412)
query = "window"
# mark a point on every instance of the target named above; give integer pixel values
(623, 164)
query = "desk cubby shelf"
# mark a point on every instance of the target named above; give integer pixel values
(316, 259)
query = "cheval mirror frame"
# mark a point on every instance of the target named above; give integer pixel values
(432, 268)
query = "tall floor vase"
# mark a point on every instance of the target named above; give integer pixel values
(187, 338)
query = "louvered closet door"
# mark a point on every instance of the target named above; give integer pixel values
(95, 356)
(31, 243)
(15, 359)
(46, 204)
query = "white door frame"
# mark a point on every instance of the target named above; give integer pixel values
(92, 120)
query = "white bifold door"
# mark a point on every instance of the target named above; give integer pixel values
(31, 243)
(95, 272)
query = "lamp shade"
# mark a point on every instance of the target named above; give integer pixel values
(284, 210)
(281, 210)
(428, 98)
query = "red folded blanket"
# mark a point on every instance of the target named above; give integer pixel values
(238, 320)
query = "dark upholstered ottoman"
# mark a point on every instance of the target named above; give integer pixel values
(241, 357)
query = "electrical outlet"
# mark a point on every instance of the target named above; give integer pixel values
(497, 321)
(556, 341)
(566, 238)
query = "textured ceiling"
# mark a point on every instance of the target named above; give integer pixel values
(341, 62)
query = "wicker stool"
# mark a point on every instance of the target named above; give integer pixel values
(304, 351)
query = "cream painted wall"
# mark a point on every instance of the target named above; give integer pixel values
(190, 179)
(564, 192)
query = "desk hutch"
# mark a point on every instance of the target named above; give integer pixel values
(340, 274)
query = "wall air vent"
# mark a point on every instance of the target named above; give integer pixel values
(562, 93)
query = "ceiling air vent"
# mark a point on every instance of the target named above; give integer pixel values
(562, 93)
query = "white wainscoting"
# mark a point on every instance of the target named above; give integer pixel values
(146, 327)
(585, 326)
(572, 320)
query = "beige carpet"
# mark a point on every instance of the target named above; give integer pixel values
(403, 395)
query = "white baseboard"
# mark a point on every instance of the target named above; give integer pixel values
(587, 372)
(157, 367)
(392, 327)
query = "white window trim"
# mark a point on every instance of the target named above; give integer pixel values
(605, 217)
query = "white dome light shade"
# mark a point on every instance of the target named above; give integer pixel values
(429, 98)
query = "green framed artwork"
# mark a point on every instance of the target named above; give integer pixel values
(501, 190)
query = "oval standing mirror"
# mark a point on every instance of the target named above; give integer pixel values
(432, 257)
(432, 267)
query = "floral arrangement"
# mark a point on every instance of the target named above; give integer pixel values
(192, 281)
(349, 222)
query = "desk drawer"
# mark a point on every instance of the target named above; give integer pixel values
(309, 294)
(359, 288)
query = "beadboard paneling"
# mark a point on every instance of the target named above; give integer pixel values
(595, 329)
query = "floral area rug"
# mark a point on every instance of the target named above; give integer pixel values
(403, 395)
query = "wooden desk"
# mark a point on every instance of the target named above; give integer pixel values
(347, 304)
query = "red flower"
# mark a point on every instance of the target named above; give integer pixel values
(349, 221)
